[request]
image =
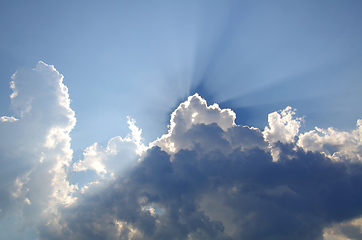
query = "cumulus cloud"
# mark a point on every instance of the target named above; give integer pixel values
(346, 146)
(35, 146)
(207, 178)
(283, 128)
(214, 182)
(194, 112)
(119, 154)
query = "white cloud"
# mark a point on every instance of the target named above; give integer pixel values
(338, 145)
(282, 128)
(8, 119)
(118, 155)
(192, 112)
(93, 160)
(35, 146)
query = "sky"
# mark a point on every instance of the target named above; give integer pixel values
(181, 120)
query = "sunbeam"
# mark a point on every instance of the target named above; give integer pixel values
(181, 120)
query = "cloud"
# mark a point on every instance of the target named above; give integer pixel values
(207, 178)
(221, 183)
(335, 144)
(118, 155)
(8, 119)
(35, 147)
(194, 111)
(283, 128)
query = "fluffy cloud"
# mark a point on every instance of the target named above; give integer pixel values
(118, 155)
(193, 112)
(283, 128)
(222, 183)
(207, 178)
(335, 144)
(35, 147)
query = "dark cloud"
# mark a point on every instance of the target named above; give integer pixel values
(294, 198)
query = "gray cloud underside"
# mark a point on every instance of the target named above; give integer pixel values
(207, 178)
(293, 198)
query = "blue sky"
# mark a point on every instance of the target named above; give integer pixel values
(143, 59)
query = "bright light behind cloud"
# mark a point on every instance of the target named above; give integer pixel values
(207, 178)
